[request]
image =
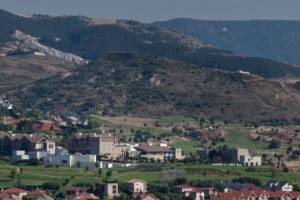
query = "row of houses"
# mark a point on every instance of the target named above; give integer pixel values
(258, 194)
(10, 142)
(111, 190)
(273, 190)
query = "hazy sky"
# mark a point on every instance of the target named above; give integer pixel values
(153, 10)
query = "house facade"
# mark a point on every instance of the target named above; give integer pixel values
(103, 144)
(109, 189)
(137, 186)
(158, 152)
(10, 142)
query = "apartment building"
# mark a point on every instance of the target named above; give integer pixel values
(158, 152)
(10, 142)
(99, 144)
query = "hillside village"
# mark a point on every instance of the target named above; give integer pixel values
(42, 142)
(113, 109)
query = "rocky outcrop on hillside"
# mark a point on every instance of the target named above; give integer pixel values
(28, 43)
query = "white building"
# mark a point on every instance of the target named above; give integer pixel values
(137, 186)
(6, 104)
(250, 161)
(71, 160)
(19, 155)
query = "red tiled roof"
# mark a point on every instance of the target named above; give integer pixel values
(85, 196)
(277, 194)
(37, 192)
(295, 194)
(45, 125)
(14, 191)
(11, 197)
(234, 195)
(251, 186)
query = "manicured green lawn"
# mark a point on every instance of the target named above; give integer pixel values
(236, 139)
(187, 147)
(37, 175)
(176, 120)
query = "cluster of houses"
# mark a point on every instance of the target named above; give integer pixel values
(82, 149)
(233, 156)
(18, 194)
(85, 148)
(111, 189)
(273, 190)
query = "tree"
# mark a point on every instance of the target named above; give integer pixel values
(274, 144)
(273, 172)
(13, 174)
(34, 161)
(99, 172)
(109, 174)
(78, 164)
(176, 130)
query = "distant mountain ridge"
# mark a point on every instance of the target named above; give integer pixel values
(274, 39)
(91, 39)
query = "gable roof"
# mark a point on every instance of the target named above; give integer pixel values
(275, 185)
(135, 181)
(14, 191)
(45, 125)
(85, 196)
(278, 194)
(143, 196)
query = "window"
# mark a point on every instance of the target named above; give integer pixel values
(114, 189)
(64, 161)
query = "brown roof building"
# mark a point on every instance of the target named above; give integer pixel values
(45, 125)
(13, 193)
(28, 142)
(40, 195)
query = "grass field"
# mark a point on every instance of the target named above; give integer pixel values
(236, 138)
(187, 147)
(176, 120)
(37, 175)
